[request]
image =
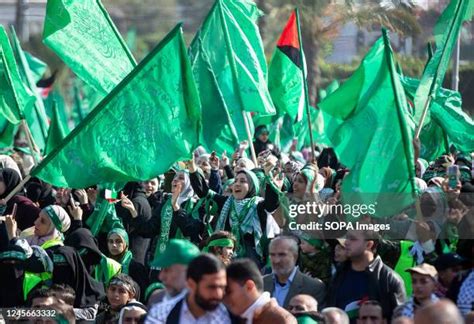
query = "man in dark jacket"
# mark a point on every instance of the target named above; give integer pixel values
(365, 277)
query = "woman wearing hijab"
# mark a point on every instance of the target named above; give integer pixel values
(68, 267)
(26, 211)
(173, 218)
(98, 265)
(120, 291)
(117, 246)
(244, 213)
(136, 193)
(133, 312)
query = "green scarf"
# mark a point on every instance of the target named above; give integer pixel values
(125, 262)
(166, 218)
(243, 219)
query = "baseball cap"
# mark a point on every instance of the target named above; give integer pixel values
(425, 269)
(177, 252)
(448, 260)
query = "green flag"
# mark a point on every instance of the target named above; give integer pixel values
(14, 96)
(35, 114)
(371, 132)
(37, 67)
(143, 126)
(448, 121)
(230, 70)
(56, 132)
(82, 34)
(446, 33)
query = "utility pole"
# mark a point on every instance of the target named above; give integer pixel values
(21, 25)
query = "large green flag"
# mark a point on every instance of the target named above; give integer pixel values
(85, 38)
(371, 131)
(56, 132)
(143, 126)
(35, 114)
(230, 70)
(450, 124)
(15, 98)
(446, 33)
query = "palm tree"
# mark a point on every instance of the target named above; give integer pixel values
(321, 21)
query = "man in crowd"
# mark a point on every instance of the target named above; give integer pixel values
(174, 264)
(286, 280)
(302, 303)
(370, 312)
(365, 276)
(245, 297)
(206, 280)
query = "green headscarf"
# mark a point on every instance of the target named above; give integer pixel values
(120, 232)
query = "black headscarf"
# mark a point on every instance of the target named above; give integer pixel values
(11, 178)
(69, 269)
(82, 238)
(40, 192)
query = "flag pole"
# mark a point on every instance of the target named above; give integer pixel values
(234, 81)
(455, 73)
(305, 85)
(29, 139)
(247, 128)
(433, 82)
(423, 117)
(17, 188)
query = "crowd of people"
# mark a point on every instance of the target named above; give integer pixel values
(211, 241)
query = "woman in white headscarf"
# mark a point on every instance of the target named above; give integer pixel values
(173, 218)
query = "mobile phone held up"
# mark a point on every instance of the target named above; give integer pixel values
(453, 176)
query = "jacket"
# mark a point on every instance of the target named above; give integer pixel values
(385, 286)
(302, 284)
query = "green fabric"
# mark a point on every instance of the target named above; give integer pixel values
(446, 33)
(13, 255)
(35, 114)
(125, 262)
(120, 232)
(405, 261)
(55, 98)
(222, 242)
(151, 288)
(106, 270)
(230, 70)
(133, 123)
(449, 124)
(54, 218)
(285, 83)
(7, 132)
(176, 252)
(370, 125)
(82, 34)
(30, 281)
(104, 217)
(56, 132)
(166, 217)
(37, 67)
(15, 97)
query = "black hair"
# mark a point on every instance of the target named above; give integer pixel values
(245, 269)
(202, 265)
(41, 292)
(64, 292)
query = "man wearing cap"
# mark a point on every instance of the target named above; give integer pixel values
(424, 278)
(206, 280)
(448, 266)
(173, 263)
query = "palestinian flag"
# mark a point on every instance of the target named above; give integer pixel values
(286, 80)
